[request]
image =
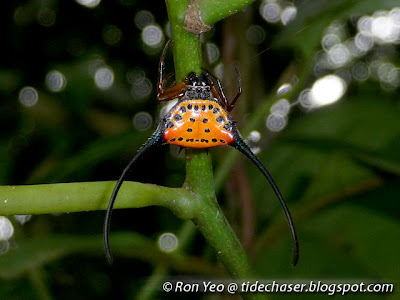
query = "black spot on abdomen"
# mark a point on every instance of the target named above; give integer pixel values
(220, 119)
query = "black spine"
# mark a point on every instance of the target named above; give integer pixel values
(154, 140)
(242, 147)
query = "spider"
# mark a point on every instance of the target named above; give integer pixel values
(199, 119)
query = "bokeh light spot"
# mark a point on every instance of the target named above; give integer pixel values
(28, 96)
(280, 107)
(305, 98)
(219, 71)
(276, 122)
(168, 30)
(152, 36)
(142, 121)
(338, 55)
(168, 242)
(55, 81)
(374, 67)
(353, 48)
(22, 219)
(104, 78)
(252, 139)
(395, 16)
(254, 136)
(284, 89)
(337, 28)
(6, 229)
(143, 18)
(88, 3)
(329, 40)
(212, 52)
(364, 41)
(327, 90)
(360, 71)
(288, 14)
(386, 72)
(135, 76)
(364, 24)
(255, 34)
(384, 29)
(271, 12)
(94, 65)
(141, 89)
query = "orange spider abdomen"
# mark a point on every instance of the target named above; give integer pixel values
(198, 123)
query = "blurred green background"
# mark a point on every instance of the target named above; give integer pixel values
(77, 88)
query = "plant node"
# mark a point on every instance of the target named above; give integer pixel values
(193, 21)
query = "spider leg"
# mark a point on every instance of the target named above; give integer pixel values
(153, 141)
(177, 90)
(220, 95)
(239, 80)
(242, 147)
(161, 66)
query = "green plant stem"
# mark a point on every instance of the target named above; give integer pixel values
(186, 47)
(209, 217)
(211, 221)
(84, 196)
(213, 11)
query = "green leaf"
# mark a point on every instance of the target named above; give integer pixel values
(336, 173)
(344, 241)
(366, 128)
(320, 160)
(367, 238)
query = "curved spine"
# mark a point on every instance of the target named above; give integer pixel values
(154, 140)
(242, 147)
